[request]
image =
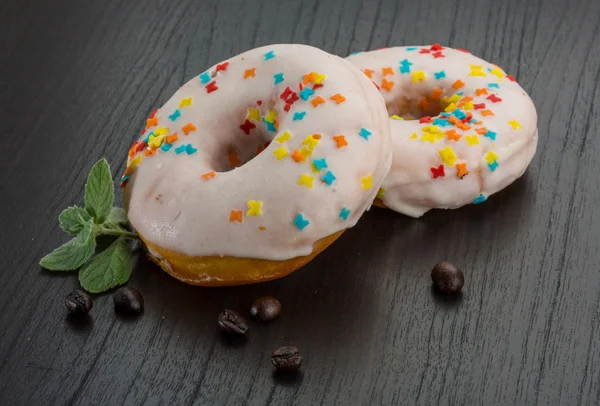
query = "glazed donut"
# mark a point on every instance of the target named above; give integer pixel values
(256, 165)
(462, 129)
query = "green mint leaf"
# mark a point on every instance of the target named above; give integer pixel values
(99, 191)
(73, 219)
(117, 215)
(74, 253)
(108, 269)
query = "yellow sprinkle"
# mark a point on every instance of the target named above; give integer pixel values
(318, 77)
(491, 157)
(448, 156)
(305, 152)
(431, 129)
(283, 137)
(185, 102)
(477, 70)
(253, 114)
(497, 72)
(452, 99)
(395, 117)
(310, 142)
(418, 76)
(161, 131)
(468, 106)
(514, 124)
(367, 182)
(380, 193)
(135, 162)
(306, 180)
(429, 137)
(451, 107)
(281, 153)
(254, 208)
(271, 116)
(472, 139)
(439, 135)
(413, 136)
(155, 141)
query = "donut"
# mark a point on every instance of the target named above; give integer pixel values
(462, 129)
(258, 164)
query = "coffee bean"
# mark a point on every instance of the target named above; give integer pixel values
(265, 309)
(128, 300)
(232, 323)
(78, 303)
(286, 359)
(447, 278)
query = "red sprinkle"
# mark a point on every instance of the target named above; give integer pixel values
(315, 87)
(247, 126)
(462, 50)
(259, 102)
(438, 55)
(425, 119)
(436, 47)
(211, 87)
(153, 113)
(438, 172)
(511, 78)
(479, 106)
(494, 98)
(424, 51)
(222, 67)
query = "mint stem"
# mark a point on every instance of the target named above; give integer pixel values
(99, 230)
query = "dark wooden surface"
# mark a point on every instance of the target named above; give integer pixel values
(77, 79)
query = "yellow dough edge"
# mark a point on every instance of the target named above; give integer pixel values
(229, 271)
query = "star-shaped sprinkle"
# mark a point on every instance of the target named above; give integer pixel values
(472, 140)
(418, 76)
(311, 142)
(497, 72)
(185, 102)
(247, 126)
(306, 180)
(269, 55)
(387, 71)
(493, 166)
(306, 93)
(253, 114)
(440, 75)
(209, 175)
(328, 178)
(462, 170)
(317, 101)
(319, 164)
(254, 208)
(151, 122)
(487, 113)
(176, 114)
(493, 98)
(480, 199)
(190, 150)
(278, 78)
(448, 156)
(188, 128)
(338, 98)
(301, 222)
(180, 149)
(479, 106)
(494, 86)
(155, 141)
(367, 182)
(514, 124)
(222, 67)
(479, 92)
(437, 172)
(166, 147)
(205, 78)
(284, 137)
(344, 213)
(297, 156)
(365, 134)
(369, 73)
(280, 153)
(236, 216)
(211, 87)
(299, 115)
(250, 73)
(318, 78)
(491, 135)
(387, 85)
(491, 157)
(340, 141)
(458, 84)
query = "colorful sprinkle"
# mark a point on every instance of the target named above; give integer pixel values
(493, 166)
(367, 182)
(328, 178)
(514, 124)
(491, 135)
(306, 180)
(254, 208)
(387, 85)
(418, 76)
(458, 84)
(278, 78)
(211, 87)
(151, 122)
(166, 147)
(180, 149)
(472, 140)
(480, 199)
(250, 73)
(365, 134)
(448, 156)
(317, 100)
(440, 75)
(236, 215)
(188, 128)
(368, 73)
(209, 175)
(462, 170)
(233, 159)
(340, 141)
(176, 114)
(306, 93)
(285, 137)
(190, 150)
(247, 126)
(344, 213)
(297, 156)
(301, 222)
(311, 142)
(269, 55)
(299, 115)
(338, 98)
(437, 172)
(319, 164)
(494, 86)
(205, 78)
(281, 153)
(381, 193)
(253, 114)
(222, 67)
(185, 102)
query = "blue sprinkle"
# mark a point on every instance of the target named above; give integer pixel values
(166, 147)
(320, 164)
(364, 133)
(444, 114)
(299, 115)
(473, 121)
(409, 49)
(124, 178)
(270, 126)
(176, 114)
(344, 213)
(356, 53)
(491, 135)
(269, 55)
(301, 222)
(404, 69)
(440, 75)
(441, 122)
(459, 93)
(494, 85)
(328, 178)
(205, 78)
(480, 199)
(306, 93)
(148, 137)
(190, 150)
(458, 113)
(405, 62)
(493, 166)
(180, 149)
(278, 78)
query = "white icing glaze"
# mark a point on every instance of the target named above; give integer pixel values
(411, 188)
(171, 204)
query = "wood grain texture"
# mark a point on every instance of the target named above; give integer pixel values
(77, 79)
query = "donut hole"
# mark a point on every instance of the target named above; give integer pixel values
(414, 108)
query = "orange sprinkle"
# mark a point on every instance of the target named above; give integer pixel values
(171, 138)
(462, 170)
(437, 93)
(368, 72)
(151, 151)
(249, 73)
(233, 159)
(209, 175)
(487, 113)
(316, 136)
(481, 131)
(261, 228)
(465, 100)
(317, 100)
(309, 77)
(387, 71)
(338, 98)
(276, 124)
(340, 141)
(387, 85)
(463, 126)
(454, 120)
(453, 135)
(297, 156)
(236, 215)
(151, 122)
(458, 84)
(479, 92)
(188, 128)
(423, 104)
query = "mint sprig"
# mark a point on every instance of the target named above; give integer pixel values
(110, 268)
